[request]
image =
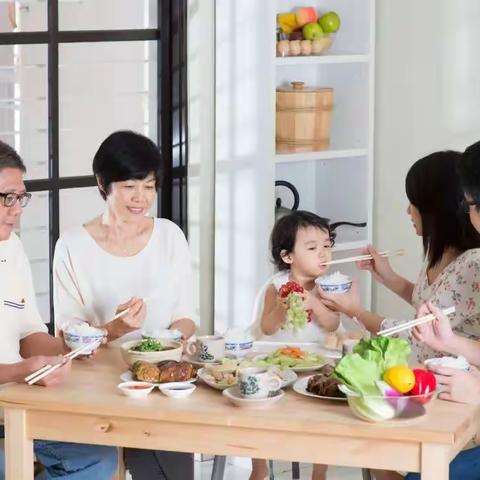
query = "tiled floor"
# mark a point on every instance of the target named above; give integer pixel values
(282, 470)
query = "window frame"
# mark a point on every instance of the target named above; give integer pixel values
(171, 35)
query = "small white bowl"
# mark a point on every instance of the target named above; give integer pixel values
(136, 389)
(459, 363)
(177, 389)
(165, 334)
(238, 348)
(74, 340)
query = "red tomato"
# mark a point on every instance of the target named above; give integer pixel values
(425, 383)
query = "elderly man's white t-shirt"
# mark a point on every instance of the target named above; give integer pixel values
(19, 315)
(90, 283)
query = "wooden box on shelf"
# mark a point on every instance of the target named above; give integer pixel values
(303, 118)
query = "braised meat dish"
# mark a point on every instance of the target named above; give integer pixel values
(163, 372)
(325, 384)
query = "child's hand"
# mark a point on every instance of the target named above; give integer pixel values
(282, 302)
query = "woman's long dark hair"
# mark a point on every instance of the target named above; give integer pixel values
(433, 187)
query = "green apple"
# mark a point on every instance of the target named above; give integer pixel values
(330, 22)
(312, 30)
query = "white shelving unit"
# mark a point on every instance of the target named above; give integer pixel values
(337, 183)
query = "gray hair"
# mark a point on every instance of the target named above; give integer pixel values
(9, 158)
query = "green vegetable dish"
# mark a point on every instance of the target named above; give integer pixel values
(149, 345)
(291, 357)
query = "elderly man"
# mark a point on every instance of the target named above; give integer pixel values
(25, 344)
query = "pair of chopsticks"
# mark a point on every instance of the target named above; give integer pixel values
(359, 258)
(413, 323)
(48, 369)
(124, 312)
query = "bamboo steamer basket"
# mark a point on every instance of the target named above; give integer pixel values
(303, 118)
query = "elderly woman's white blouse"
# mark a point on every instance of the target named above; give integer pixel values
(90, 283)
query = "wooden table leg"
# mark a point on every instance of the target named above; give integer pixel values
(18, 448)
(435, 461)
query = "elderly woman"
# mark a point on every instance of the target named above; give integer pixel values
(124, 258)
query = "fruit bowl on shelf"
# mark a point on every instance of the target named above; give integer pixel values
(304, 33)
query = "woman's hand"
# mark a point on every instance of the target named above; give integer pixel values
(379, 266)
(438, 333)
(184, 325)
(458, 385)
(134, 318)
(348, 302)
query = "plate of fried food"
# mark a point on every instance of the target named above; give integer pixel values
(163, 372)
(323, 385)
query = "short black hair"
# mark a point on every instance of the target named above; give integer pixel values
(433, 187)
(284, 233)
(126, 155)
(469, 169)
(9, 158)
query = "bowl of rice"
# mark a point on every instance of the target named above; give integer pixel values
(167, 334)
(335, 283)
(238, 343)
(79, 334)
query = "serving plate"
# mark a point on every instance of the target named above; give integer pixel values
(301, 387)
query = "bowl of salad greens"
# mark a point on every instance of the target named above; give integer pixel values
(379, 384)
(151, 350)
(293, 358)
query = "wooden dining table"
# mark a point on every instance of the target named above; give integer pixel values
(88, 408)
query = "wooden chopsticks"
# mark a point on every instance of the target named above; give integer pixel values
(413, 323)
(358, 258)
(47, 369)
(124, 312)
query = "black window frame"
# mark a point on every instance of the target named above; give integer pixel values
(172, 118)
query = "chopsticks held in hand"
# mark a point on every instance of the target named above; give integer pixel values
(413, 323)
(359, 258)
(48, 369)
(124, 312)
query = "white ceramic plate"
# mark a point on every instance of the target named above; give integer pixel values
(215, 385)
(233, 395)
(287, 377)
(264, 347)
(301, 387)
(311, 368)
(128, 377)
(197, 363)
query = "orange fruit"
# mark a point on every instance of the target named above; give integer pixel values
(401, 378)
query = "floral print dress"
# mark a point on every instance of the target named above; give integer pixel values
(457, 285)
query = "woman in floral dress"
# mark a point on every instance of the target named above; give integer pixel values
(450, 275)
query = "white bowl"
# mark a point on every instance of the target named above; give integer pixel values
(165, 334)
(174, 352)
(239, 348)
(450, 362)
(177, 389)
(335, 287)
(136, 389)
(74, 340)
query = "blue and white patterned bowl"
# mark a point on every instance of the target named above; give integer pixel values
(238, 348)
(335, 287)
(75, 341)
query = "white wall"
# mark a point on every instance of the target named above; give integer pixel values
(428, 93)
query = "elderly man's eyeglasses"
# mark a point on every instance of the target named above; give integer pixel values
(10, 199)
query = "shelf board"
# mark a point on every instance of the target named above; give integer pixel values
(322, 155)
(344, 246)
(323, 59)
